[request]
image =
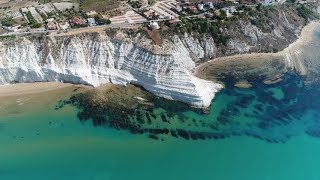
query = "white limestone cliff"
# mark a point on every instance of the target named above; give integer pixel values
(98, 59)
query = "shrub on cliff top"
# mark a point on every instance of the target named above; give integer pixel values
(304, 11)
(7, 21)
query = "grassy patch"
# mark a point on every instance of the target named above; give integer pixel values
(304, 11)
(32, 22)
(98, 5)
(9, 37)
(203, 26)
(100, 20)
(7, 21)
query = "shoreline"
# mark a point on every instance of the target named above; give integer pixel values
(20, 89)
(304, 38)
(12, 90)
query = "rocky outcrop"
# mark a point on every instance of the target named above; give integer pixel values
(130, 57)
(98, 58)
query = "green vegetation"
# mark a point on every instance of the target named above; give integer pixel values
(259, 7)
(77, 26)
(43, 15)
(304, 11)
(98, 5)
(260, 16)
(135, 4)
(10, 37)
(222, 15)
(216, 27)
(44, 1)
(100, 20)
(203, 26)
(223, 4)
(221, 27)
(7, 21)
(32, 22)
(151, 2)
(69, 13)
(51, 15)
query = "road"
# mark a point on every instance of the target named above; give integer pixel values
(270, 2)
(112, 25)
(109, 26)
(122, 25)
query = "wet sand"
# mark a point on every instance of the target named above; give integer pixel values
(28, 98)
(31, 88)
(35, 97)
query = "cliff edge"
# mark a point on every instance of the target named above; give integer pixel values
(99, 58)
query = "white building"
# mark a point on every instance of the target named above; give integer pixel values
(15, 28)
(200, 7)
(178, 8)
(273, 2)
(15, 14)
(50, 20)
(210, 5)
(24, 10)
(64, 25)
(91, 22)
(154, 25)
(229, 10)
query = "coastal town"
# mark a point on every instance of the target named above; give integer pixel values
(22, 17)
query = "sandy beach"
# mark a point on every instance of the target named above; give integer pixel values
(28, 98)
(31, 88)
(304, 40)
(305, 36)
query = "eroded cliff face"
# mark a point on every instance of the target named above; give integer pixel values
(99, 58)
(131, 57)
(269, 31)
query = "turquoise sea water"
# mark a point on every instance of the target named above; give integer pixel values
(54, 144)
(268, 132)
(34, 148)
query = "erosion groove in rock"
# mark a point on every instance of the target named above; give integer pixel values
(96, 59)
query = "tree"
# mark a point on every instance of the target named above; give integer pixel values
(100, 20)
(259, 7)
(35, 25)
(222, 15)
(304, 11)
(7, 21)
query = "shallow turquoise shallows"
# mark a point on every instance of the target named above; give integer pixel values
(264, 133)
(75, 151)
